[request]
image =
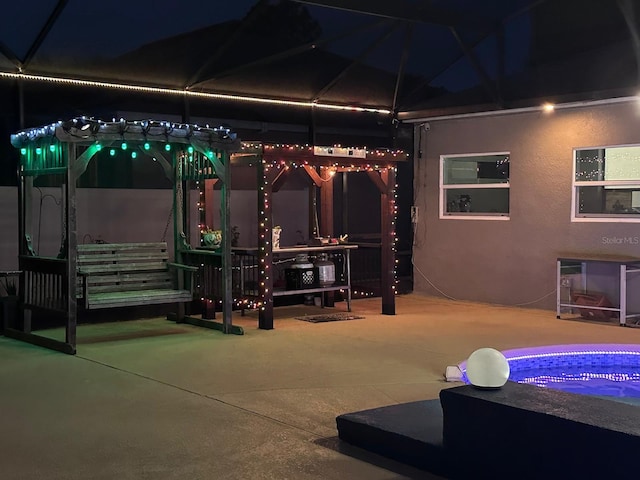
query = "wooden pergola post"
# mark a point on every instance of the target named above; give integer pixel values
(326, 202)
(227, 267)
(326, 217)
(265, 247)
(71, 242)
(388, 241)
(385, 181)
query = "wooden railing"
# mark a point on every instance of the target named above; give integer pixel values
(208, 280)
(366, 265)
(45, 283)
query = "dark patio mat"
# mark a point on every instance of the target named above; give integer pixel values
(331, 317)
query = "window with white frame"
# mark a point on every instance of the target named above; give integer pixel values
(474, 186)
(606, 184)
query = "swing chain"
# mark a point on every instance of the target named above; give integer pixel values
(179, 201)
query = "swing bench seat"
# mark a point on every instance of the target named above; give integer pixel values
(130, 274)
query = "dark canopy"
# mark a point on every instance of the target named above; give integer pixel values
(390, 58)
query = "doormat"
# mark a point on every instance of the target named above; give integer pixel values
(331, 317)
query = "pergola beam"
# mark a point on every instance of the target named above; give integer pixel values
(280, 179)
(397, 10)
(11, 56)
(229, 41)
(290, 52)
(491, 31)
(313, 175)
(384, 36)
(44, 32)
(401, 67)
(477, 66)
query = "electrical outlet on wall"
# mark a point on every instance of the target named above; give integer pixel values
(414, 214)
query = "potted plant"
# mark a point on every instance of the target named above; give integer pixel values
(212, 238)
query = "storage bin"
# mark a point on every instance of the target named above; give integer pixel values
(594, 300)
(300, 278)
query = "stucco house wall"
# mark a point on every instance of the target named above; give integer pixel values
(134, 215)
(513, 262)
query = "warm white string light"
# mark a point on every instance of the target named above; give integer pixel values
(187, 93)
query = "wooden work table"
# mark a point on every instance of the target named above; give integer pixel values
(245, 276)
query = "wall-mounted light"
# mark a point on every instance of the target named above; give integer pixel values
(548, 107)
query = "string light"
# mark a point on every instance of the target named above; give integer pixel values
(189, 93)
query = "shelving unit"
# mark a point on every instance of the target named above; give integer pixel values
(583, 265)
(344, 285)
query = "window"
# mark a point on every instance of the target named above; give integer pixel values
(606, 184)
(475, 186)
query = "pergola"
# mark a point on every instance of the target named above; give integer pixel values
(187, 153)
(192, 157)
(274, 163)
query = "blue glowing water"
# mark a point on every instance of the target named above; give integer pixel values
(607, 370)
(611, 381)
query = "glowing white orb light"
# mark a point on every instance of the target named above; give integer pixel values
(487, 368)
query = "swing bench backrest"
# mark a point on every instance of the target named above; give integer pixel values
(129, 274)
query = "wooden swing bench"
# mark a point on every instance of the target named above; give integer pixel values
(129, 274)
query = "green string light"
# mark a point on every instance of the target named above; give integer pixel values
(134, 154)
(167, 147)
(38, 151)
(52, 148)
(112, 152)
(124, 145)
(147, 146)
(23, 151)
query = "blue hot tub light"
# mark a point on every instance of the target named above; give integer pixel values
(611, 370)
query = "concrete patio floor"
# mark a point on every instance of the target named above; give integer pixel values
(152, 399)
